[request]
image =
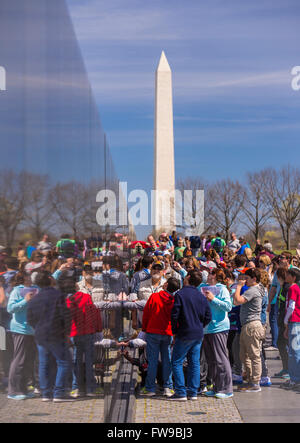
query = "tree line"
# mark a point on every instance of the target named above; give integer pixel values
(267, 196)
(32, 203)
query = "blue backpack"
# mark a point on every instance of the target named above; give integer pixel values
(218, 245)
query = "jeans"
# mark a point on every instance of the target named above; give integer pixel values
(273, 324)
(51, 383)
(83, 347)
(294, 352)
(191, 350)
(195, 251)
(157, 343)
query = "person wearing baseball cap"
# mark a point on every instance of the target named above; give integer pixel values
(154, 284)
(158, 265)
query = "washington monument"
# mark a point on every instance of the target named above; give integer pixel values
(164, 173)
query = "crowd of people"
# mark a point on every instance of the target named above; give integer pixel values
(199, 307)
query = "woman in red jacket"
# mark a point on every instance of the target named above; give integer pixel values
(86, 321)
(157, 325)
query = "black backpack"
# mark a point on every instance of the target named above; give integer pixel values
(218, 244)
(67, 248)
(195, 242)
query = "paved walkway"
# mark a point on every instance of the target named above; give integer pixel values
(204, 410)
(35, 411)
(271, 405)
(82, 410)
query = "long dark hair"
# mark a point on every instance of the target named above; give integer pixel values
(220, 275)
(294, 273)
(18, 279)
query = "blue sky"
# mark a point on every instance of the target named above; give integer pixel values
(234, 108)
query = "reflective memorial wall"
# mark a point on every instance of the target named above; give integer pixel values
(54, 160)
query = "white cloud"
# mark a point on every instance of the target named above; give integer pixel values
(220, 133)
(135, 86)
(140, 21)
(213, 49)
(112, 21)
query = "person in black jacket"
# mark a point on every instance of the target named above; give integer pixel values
(190, 314)
(195, 244)
(49, 316)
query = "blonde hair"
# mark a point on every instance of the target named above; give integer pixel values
(194, 260)
(265, 259)
(248, 253)
(264, 278)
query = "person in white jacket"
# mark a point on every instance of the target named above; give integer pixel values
(153, 284)
(147, 287)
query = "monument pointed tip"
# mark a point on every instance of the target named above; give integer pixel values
(163, 64)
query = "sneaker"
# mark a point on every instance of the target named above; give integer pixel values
(30, 395)
(169, 392)
(281, 374)
(288, 385)
(176, 397)
(210, 387)
(271, 348)
(223, 396)
(253, 388)
(202, 390)
(45, 399)
(243, 387)
(75, 393)
(237, 379)
(265, 381)
(17, 397)
(99, 390)
(36, 391)
(30, 388)
(209, 393)
(147, 393)
(63, 399)
(193, 398)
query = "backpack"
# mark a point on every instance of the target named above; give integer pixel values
(67, 248)
(218, 244)
(195, 242)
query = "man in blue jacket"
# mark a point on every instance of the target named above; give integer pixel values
(190, 314)
(48, 314)
(140, 276)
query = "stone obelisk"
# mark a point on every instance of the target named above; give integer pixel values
(164, 173)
